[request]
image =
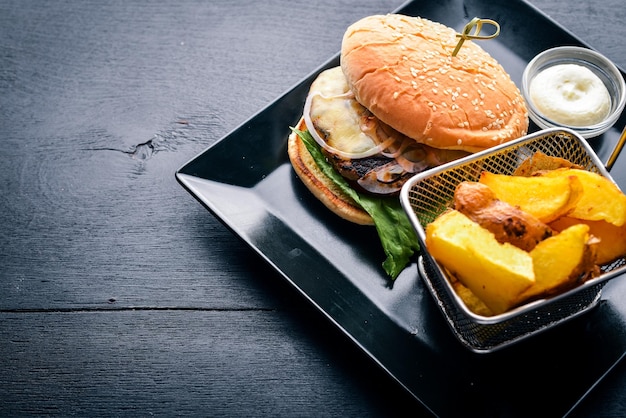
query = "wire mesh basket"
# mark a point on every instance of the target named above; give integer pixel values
(427, 195)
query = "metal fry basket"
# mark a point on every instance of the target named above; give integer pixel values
(427, 195)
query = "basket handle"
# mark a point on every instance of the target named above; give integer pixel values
(616, 150)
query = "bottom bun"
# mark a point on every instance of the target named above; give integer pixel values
(322, 187)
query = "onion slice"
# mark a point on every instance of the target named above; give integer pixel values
(411, 166)
(391, 153)
(383, 180)
(378, 149)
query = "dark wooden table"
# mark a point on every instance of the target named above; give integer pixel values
(119, 294)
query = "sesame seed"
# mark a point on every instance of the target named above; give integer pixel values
(395, 95)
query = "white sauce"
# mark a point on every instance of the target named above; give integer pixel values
(570, 94)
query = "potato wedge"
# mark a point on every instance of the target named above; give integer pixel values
(473, 303)
(611, 239)
(601, 199)
(496, 273)
(540, 162)
(560, 261)
(545, 197)
(507, 222)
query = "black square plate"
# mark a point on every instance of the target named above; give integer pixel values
(246, 181)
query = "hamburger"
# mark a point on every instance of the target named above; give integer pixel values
(399, 103)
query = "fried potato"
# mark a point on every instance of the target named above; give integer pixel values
(508, 223)
(496, 273)
(601, 199)
(560, 262)
(541, 162)
(545, 197)
(511, 239)
(610, 239)
(470, 300)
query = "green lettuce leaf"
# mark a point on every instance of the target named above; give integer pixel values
(395, 231)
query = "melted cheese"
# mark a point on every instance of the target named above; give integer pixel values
(337, 115)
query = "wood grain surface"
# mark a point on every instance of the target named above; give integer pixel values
(120, 295)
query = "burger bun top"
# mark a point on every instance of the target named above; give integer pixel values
(402, 69)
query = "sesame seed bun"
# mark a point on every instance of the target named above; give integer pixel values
(401, 68)
(320, 185)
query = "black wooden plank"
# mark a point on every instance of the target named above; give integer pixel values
(104, 259)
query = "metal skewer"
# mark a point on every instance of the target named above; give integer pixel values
(616, 150)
